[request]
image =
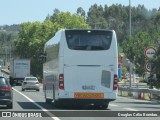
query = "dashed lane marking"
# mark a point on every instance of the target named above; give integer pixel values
(113, 105)
(43, 109)
(131, 109)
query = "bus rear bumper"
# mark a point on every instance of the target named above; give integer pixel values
(73, 101)
(97, 96)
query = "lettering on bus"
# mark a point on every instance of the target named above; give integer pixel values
(21, 63)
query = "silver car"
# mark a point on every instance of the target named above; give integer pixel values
(30, 83)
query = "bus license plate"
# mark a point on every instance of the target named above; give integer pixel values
(88, 95)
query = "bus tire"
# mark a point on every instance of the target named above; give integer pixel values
(105, 105)
(56, 103)
(48, 100)
(10, 106)
(101, 106)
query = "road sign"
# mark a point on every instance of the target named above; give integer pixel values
(150, 52)
(148, 66)
(127, 75)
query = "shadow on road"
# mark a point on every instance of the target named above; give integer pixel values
(32, 106)
(146, 103)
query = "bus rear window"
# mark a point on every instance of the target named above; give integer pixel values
(88, 39)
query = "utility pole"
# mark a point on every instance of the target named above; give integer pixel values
(130, 65)
(130, 19)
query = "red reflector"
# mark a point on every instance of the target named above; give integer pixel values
(115, 84)
(61, 81)
(115, 81)
(115, 87)
(61, 77)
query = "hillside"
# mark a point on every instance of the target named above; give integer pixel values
(13, 28)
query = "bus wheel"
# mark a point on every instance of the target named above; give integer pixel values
(48, 100)
(104, 106)
(56, 103)
(101, 106)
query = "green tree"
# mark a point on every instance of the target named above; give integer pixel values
(156, 82)
(134, 48)
(156, 63)
(156, 20)
(81, 12)
(54, 15)
(68, 20)
(34, 35)
(31, 42)
(116, 17)
(6, 40)
(95, 17)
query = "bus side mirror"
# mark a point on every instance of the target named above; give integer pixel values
(42, 58)
(8, 67)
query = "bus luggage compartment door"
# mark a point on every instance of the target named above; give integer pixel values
(88, 78)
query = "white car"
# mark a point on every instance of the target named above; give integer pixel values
(30, 83)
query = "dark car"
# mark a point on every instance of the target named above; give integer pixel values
(6, 94)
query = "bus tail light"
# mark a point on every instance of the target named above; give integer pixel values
(61, 81)
(115, 84)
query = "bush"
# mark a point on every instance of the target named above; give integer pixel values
(142, 80)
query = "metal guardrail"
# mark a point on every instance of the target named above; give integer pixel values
(153, 94)
(134, 85)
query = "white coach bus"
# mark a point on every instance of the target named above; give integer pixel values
(81, 67)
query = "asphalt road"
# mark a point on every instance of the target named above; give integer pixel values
(31, 100)
(27, 101)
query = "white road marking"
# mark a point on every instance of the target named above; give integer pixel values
(142, 101)
(119, 97)
(113, 105)
(131, 109)
(56, 118)
(43, 109)
(136, 100)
